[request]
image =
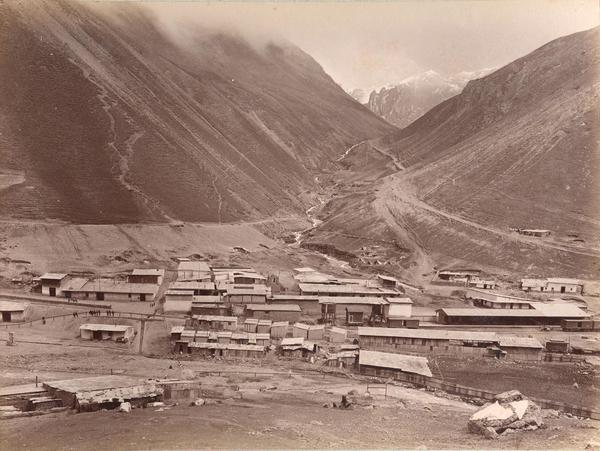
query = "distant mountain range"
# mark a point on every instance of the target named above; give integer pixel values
(406, 101)
(518, 147)
(105, 118)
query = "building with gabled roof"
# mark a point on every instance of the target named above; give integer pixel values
(396, 366)
(193, 271)
(146, 275)
(12, 312)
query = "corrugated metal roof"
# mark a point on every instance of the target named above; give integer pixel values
(148, 272)
(292, 341)
(53, 276)
(228, 346)
(338, 330)
(208, 299)
(251, 321)
(397, 311)
(367, 300)
(177, 329)
(114, 286)
(228, 319)
(265, 322)
(559, 310)
(274, 307)
(489, 312)
(75, 283)
(518, 342)
(294, 297)
(191, 285)
(7, 306)
(403, 300)
(302, 326)
(431, 334)
(106, 327)
(280, 324)
(405, 363)
(356, 289)
(564, 281)
(533, 283)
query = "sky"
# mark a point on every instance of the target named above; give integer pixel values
(368, 45)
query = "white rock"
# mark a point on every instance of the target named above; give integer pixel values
(520, 407)
(493, 412)
(124, 407)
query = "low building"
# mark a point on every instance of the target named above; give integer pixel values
(114, 290)
(12, 312)
(533, 284)
(263, 326)
(262, 339)
(193, 271)
(427, 341)
(337, 334)
(353, 310)
(343, 359)
(274, 312)
(153, 276)
(564, 285)
(291, 346)
(557, 346)
(459, 276)
(51, 283)
(196, 288)
(481, 283)
(103, 392)
(300, 330)
(491, 299)
(72, 285)
(247, 278)
(539, 233)
(410, 323)
(541, 314)
(279, 329)
(407, 368)
(580, 325)
(309, 305)
(209, 305)
(215, 322)
(114, 332)
(176, 332)
(221, 350)
(315, 332)
(387, 281)
(250, 325)
(246, 294)
(521, 348)
(346, 290)
(400, 313)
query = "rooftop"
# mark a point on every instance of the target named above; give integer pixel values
(106, 327)
(115, 286)
(7, 306)
(292, 341)
(228, 346)
(274, 307)
(356, 289)
(370, 300)
(294, 297)
(228, 319)
(207, 299)
(177, 329)
(432, 334)
(191, 285)
(519, 342)
(280, 324)
(53, 276)
(93, 383)
(564, 281)
(147, 272)
(75, 283)
(404, 363)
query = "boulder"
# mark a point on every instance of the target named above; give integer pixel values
(198, 402)
(124, 407)
(511, 411)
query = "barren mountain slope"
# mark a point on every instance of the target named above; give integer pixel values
(105, 118)
(518, 147)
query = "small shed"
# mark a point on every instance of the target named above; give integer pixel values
(402, 367)
(250, 325)
(146, 275)
(264, 326)
(291, 346)
(316, 332)
(300, 330)
(176, 332)
(521, 348)
(337, 335)
(51, 283)
(558, 346)
(215, 322)
(274, 312)
(12, 312)
(114, 332)
(279, 329)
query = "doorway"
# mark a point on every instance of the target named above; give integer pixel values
(52, 291)
(97, 334)
(99, 296)
(6, 317)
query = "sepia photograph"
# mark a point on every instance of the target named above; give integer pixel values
(299, 224)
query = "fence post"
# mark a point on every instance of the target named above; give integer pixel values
(36, 381)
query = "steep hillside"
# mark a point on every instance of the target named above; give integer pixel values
(105, 118)
(519, 147)
(405, 102)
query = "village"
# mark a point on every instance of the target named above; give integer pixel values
(378, 328)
